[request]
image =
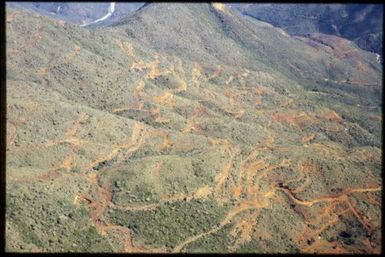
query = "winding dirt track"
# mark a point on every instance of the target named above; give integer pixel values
(250, 175)
(247, 184)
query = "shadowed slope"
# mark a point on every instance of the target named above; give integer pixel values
(131, 142)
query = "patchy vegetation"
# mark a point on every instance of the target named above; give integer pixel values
(158, 134)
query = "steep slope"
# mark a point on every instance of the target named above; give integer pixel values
(361, 23)
(147, 136)
(208, 34)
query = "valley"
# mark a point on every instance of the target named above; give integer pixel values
(188, 128)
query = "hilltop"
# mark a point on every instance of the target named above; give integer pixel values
(158, 134)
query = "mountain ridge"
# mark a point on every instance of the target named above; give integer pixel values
(240, 37)
(131, 143)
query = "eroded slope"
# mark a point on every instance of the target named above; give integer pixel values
(116, 145)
